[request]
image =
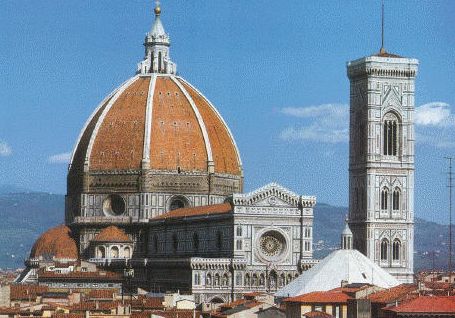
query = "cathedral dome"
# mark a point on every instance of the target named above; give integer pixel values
(55, 244)
(158, 122)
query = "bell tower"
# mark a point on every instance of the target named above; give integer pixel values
(381, 160)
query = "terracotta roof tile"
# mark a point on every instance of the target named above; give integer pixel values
(26, 292)
(175, 313)
(426, 304)
(225, 155)
(112, 234)
(55, 243)
(438, 285)
(320, 297)
(177, 139)
(222, 208)
(101, 294)
(81, 150)
(120, 138)
(9, 311)
(392, 294)
(93, 306)
(148, 303)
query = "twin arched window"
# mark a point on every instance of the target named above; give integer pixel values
(390, 135)
(396, 250)
(396, 198)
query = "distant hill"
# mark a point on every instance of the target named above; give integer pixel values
(429, 237)
(24, 216)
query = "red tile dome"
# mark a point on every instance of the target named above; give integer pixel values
(55, 244)
(158, 122)
(112, 234)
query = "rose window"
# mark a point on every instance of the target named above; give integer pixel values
(272, 244)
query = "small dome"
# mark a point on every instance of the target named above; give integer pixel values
(112, 234)
(158, 122)
(55, 244)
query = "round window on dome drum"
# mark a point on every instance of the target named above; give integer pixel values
(178, 202)
(114, 205)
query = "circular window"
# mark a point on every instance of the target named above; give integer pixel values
(272, 245)
(114, 205)
(177, 204)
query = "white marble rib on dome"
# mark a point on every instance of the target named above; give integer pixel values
(341, 265)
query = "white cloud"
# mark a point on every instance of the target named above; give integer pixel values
(60, 158)
(5, 149)
(327, 123)
(435, 125)
(332, 110)
(433, 114)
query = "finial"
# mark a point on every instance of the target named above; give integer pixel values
(157, 8)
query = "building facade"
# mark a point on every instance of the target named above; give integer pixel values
(155, 187)
(260, 241)
(381, 160)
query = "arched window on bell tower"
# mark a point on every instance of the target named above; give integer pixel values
(390, 135)
(384, 250)
(396, 247)
(396, 199)
(384, 199)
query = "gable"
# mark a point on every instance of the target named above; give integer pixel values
(268, 196)
(392, 97)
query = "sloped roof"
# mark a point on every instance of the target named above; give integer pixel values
(426, 304)
(341, 265)
(317, 314)
(321, 297)
(222, 208)
(26, 292)
(392, 294)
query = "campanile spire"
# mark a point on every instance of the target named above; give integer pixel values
(157, 43)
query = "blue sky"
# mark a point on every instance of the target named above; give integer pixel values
(275, 70)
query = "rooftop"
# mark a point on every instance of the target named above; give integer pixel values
(223, 208)
(112, 234)
(321, 297)
(426, 304)
(392, 294)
